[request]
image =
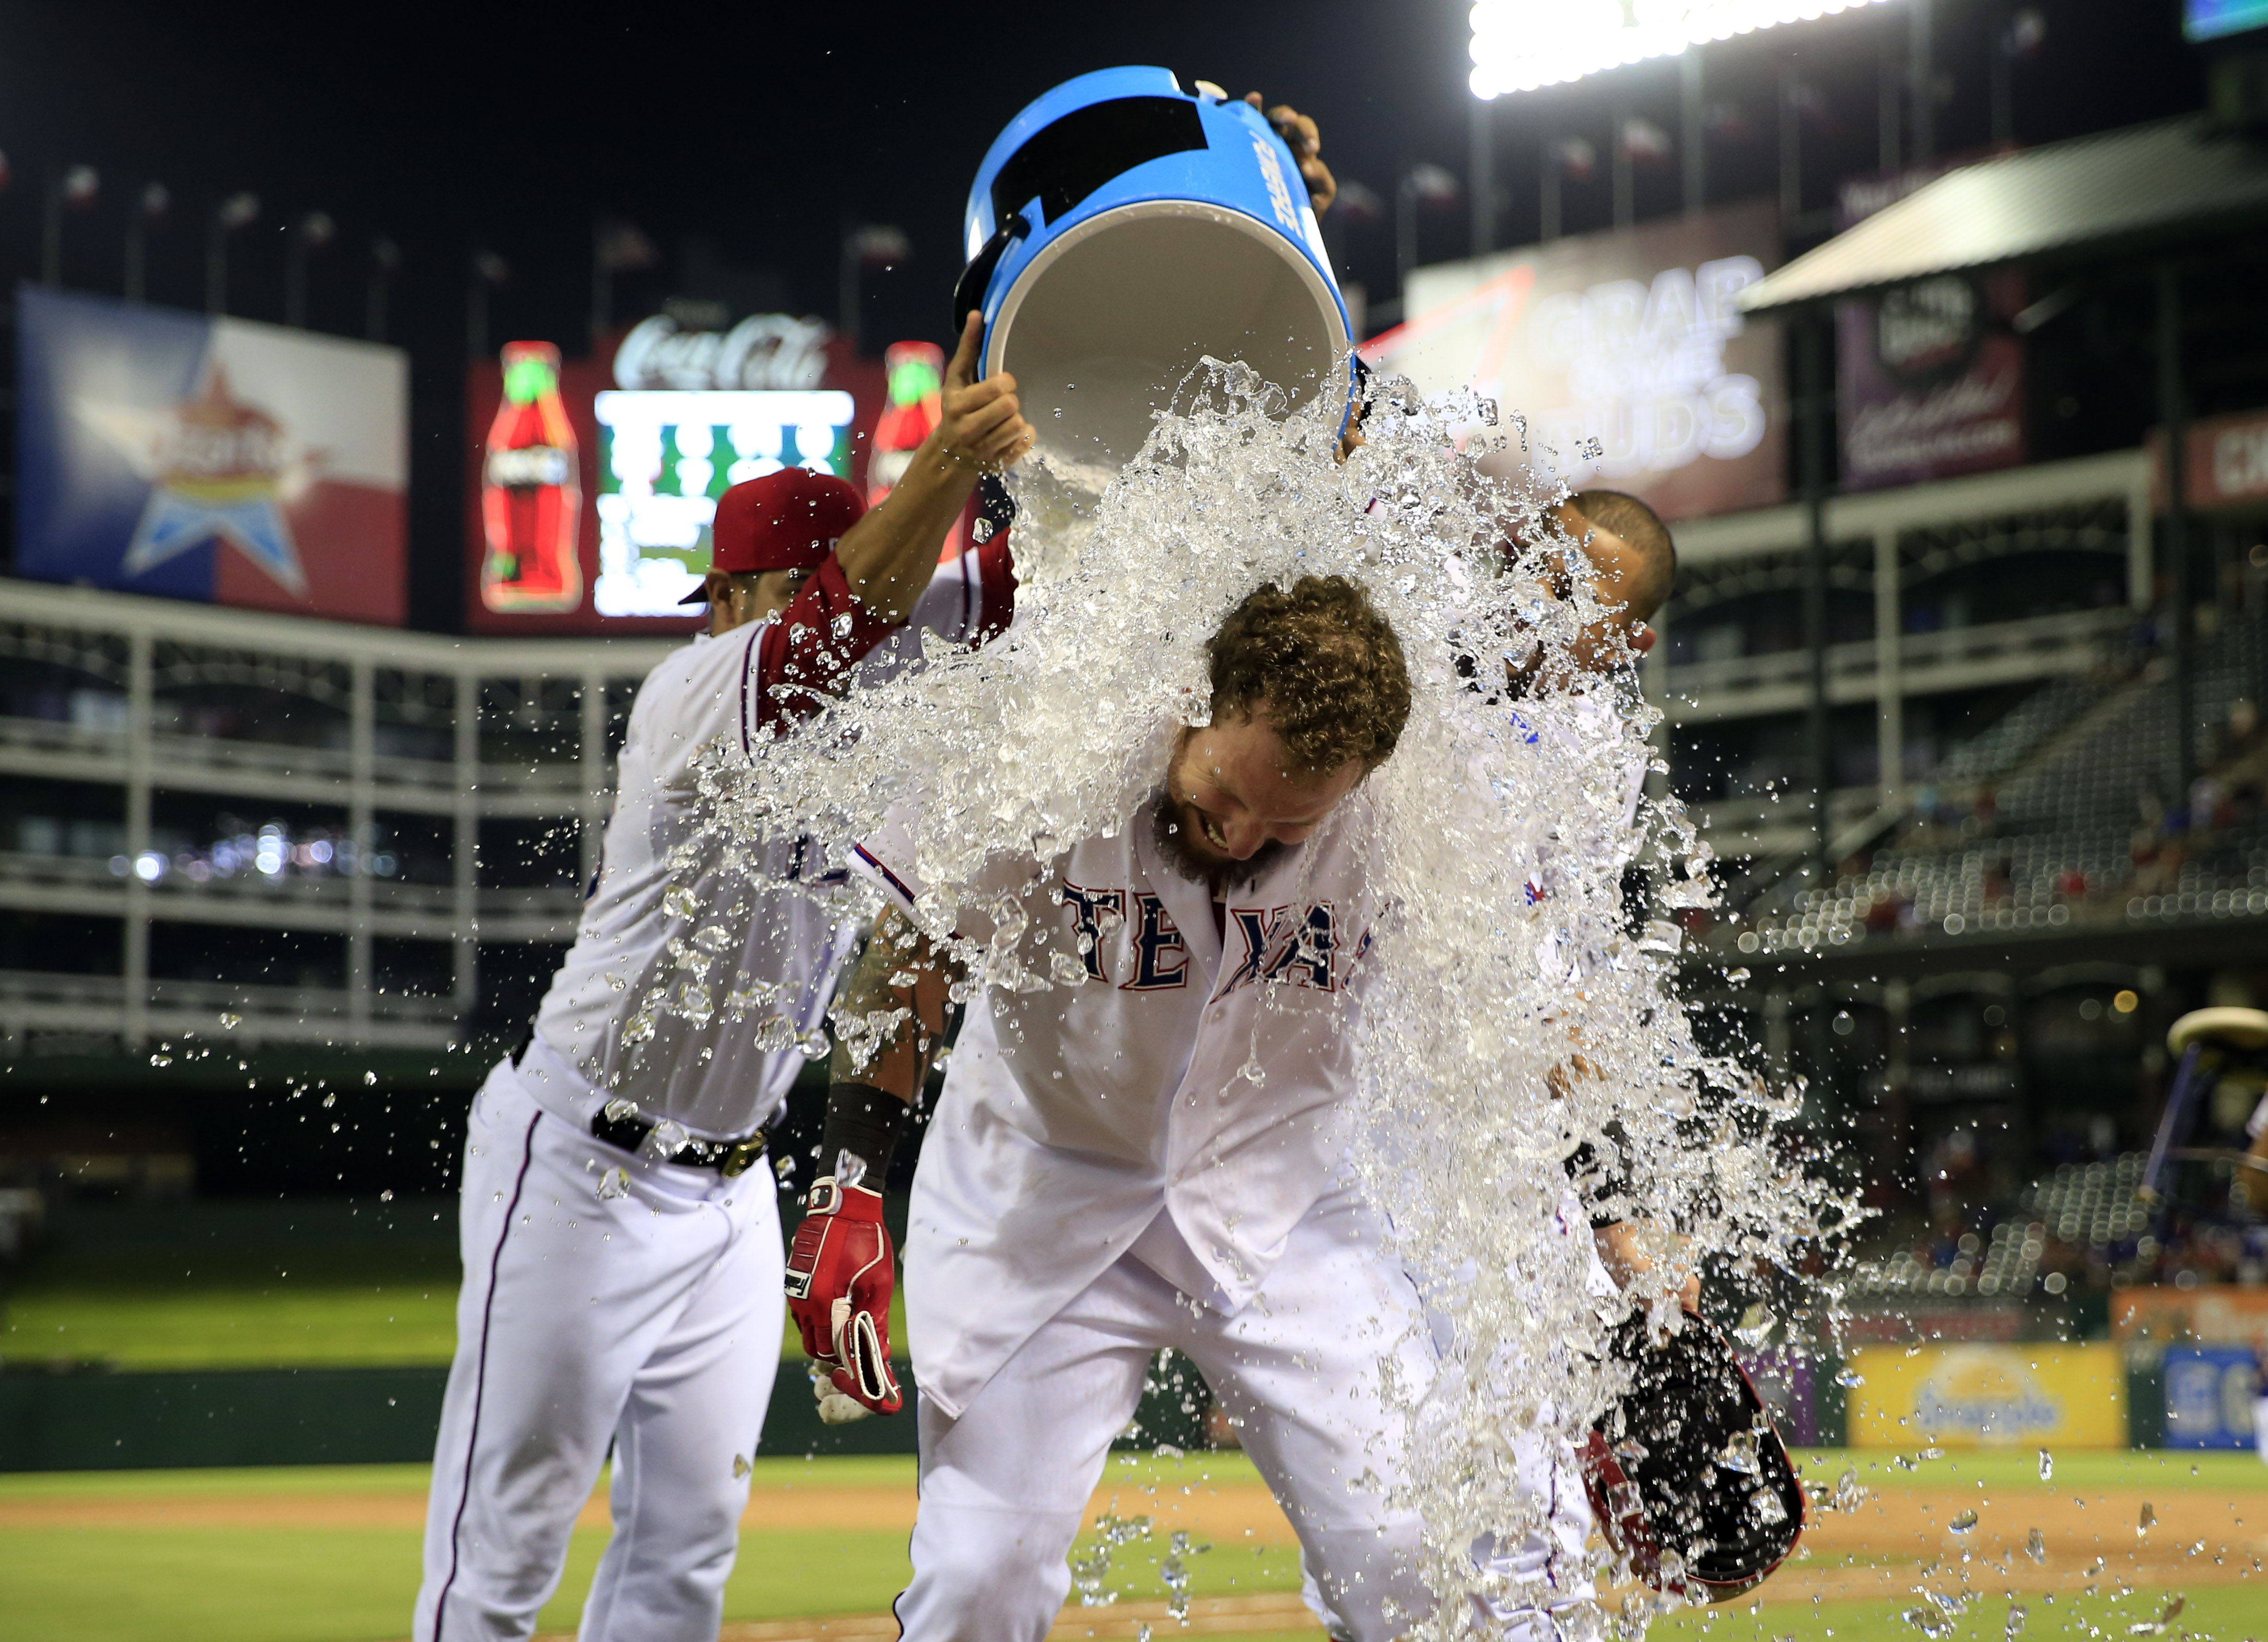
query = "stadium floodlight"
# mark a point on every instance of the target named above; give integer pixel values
(2211, 19)
(1519, 45)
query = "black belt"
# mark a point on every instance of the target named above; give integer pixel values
(630, 1132)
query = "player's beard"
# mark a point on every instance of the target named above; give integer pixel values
(1172, 826)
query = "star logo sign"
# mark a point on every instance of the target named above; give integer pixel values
(218, 468)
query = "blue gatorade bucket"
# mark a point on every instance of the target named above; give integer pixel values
(1120, 229)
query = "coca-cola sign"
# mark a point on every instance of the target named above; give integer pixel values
(773, 351)
(532, 465)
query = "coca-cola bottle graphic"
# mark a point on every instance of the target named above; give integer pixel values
(917, 382)
(531, 491)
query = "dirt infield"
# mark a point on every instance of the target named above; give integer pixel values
(1945, 1535)
(1231, 1510)
(1219, 1615)
(1899, 1539)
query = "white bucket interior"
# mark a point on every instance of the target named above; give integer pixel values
(1108, 319)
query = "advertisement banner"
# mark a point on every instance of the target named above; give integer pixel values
(1785, 1378)
(215, 460)
(2210, 1390)
(664, 458)
(2225, 462)
(2211, 1314)
(591, 483)
(1625, 354)
(1909, 1325)
(1930, 376)
(1989, 1397)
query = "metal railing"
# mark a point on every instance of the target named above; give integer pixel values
(46, 1012)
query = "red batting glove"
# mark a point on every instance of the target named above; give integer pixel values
(838, 1289)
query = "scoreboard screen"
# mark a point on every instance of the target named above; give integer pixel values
(665, 457)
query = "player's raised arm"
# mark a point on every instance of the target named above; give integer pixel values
(891, 1017)
(888, 555)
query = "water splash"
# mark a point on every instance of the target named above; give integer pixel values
(1501, 1029)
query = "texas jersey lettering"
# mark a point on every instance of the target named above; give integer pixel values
(1291, 944)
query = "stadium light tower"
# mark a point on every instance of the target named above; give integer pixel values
(1521, 44)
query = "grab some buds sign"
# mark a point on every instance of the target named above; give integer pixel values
(1626, 353)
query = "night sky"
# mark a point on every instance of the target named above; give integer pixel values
(741, 139)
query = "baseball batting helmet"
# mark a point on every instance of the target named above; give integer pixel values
(1687, 1477)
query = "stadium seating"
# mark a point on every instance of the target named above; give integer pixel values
(2061, 811)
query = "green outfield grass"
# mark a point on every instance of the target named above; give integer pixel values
(310, 1325)
(317, 1309)
(2006, 1470)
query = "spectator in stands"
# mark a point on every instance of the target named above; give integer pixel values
(2240, 737)
(2205, 805)
(1952, 1172)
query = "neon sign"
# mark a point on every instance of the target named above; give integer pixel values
(917, 378)
(763, 352)
(530, 495)
(1519, 45)
(665, 458)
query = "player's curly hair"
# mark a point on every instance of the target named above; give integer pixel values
(1324, 663)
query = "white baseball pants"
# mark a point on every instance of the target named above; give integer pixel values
(650, 1319)
(1004, 1488)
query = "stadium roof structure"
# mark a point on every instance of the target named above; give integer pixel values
(2140, 191)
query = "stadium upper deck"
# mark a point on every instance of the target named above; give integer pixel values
(286, 830)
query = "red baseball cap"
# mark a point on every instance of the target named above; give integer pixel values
(788, 521)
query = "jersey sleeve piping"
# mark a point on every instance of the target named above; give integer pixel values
(748, 668)
(871, 867)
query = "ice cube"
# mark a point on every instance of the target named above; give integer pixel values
(1740, 1454)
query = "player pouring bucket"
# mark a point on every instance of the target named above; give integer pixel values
(1120, 230)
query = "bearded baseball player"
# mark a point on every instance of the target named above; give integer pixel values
(1105, 1177)
(619, 1231)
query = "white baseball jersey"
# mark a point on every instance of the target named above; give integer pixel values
(695, 1012)
(1077, 1120)
(610, 1298)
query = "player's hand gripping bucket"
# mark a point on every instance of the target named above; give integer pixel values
(1122, 228)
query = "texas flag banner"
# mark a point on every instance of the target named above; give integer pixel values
(217, 460)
